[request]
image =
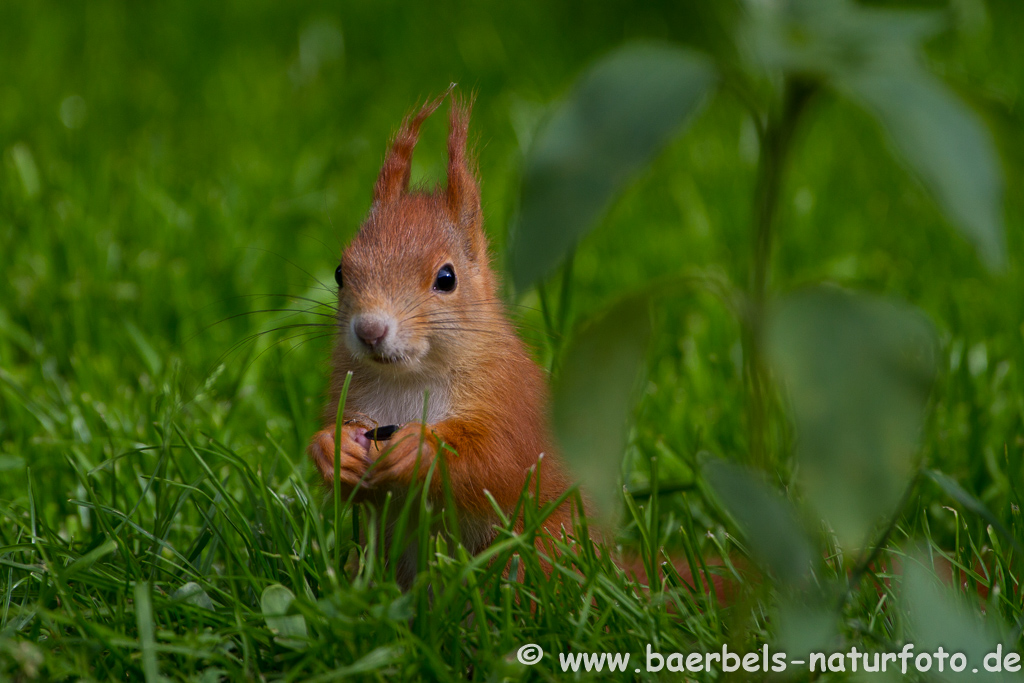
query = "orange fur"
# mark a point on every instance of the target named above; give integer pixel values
(487, 398)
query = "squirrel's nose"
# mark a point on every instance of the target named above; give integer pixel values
(370, 330)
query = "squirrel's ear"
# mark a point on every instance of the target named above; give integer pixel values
(393, 180)
(463, 195)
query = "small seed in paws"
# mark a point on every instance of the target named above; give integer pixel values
(382, 433)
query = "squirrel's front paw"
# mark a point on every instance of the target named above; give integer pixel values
(396, 458)
(354, 454)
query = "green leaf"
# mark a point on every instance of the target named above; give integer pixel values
(289, 630)
(938, 619)
(149, 355)
(618, 115)
(948, 147)
(859, 372)
(833, 38)
(802, 628)
(873, 57)
(594, 394)
(376, 659)
(89, 559)
(193, 594)
(768, 521)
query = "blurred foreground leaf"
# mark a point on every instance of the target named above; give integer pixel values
(859, 372)
(767, 520)
(616, 118)
(873, 57)
(833, 38)
(805, 625)
(147, 632)
(947, 145)
(594, 394)
(939, 619)
(289, 630)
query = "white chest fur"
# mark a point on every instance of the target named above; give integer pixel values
(389, 401)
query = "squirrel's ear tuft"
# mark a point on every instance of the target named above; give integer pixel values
(393, 180)
(463, 195)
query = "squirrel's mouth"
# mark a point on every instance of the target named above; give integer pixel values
(380, 358)
(390, 359)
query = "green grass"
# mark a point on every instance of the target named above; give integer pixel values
(153, 419)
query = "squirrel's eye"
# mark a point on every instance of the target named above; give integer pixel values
(445, 280)
(337, 275)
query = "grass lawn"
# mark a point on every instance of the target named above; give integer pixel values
(176, 184)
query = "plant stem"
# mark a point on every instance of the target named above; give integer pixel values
(775, 146)
(338, 424)
(867, 559)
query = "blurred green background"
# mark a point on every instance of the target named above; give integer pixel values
(162, 162)
(168, 169)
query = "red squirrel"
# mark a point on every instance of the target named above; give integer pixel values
(419, 315)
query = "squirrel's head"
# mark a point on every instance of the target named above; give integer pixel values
(414, 281)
